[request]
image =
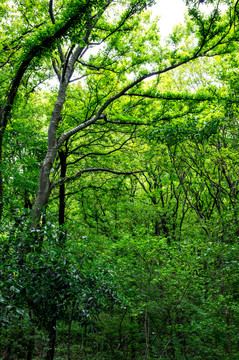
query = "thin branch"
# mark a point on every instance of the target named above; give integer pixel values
(68, 58)
(79, 173)
(39, 83)
(127, 16)
(170, 97)
(54, 65)
(18, 40)
(102, 153)
(119, 122)
(51, 12)
(77, 79)
(33, 52)
(98, 68)
(67, 135)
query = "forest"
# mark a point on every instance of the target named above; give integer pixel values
(119, 174)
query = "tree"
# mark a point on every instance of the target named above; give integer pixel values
(215, 33)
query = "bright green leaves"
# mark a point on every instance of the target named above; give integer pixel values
(178, 132)
(128, 49)
(24, 149)
(216, 29)
(153, 252)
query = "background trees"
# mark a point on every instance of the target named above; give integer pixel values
(125, 246)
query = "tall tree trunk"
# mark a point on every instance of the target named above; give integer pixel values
(44, 187)
(69, 331)
(52, 340)
(1, 175)
(62, 196)
(34, 51)
(146, 329)
(157, 228)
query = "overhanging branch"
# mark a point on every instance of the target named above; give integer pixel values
(46, 42)
(172, 97)
(79, 173)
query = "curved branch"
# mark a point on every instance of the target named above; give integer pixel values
(171, 97)
(35, 50)
(78, 174)
(67, 135)
(103, 153)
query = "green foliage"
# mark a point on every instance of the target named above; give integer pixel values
(134, 253)
(194, 129)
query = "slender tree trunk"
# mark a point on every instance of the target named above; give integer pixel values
(69, 332)
(121, 339)
(146, 329)
(132, 340)
(31, 53)
(157, 228)
(52, 340)
(1, 175)
(44, 187)
(227, 317)
(171, 348)
(62, 196)
(62, 204)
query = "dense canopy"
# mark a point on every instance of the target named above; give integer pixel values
(118, 181)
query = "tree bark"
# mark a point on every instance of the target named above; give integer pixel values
(62, 197)
(44, 187)
(35, 51)
(62, 204)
